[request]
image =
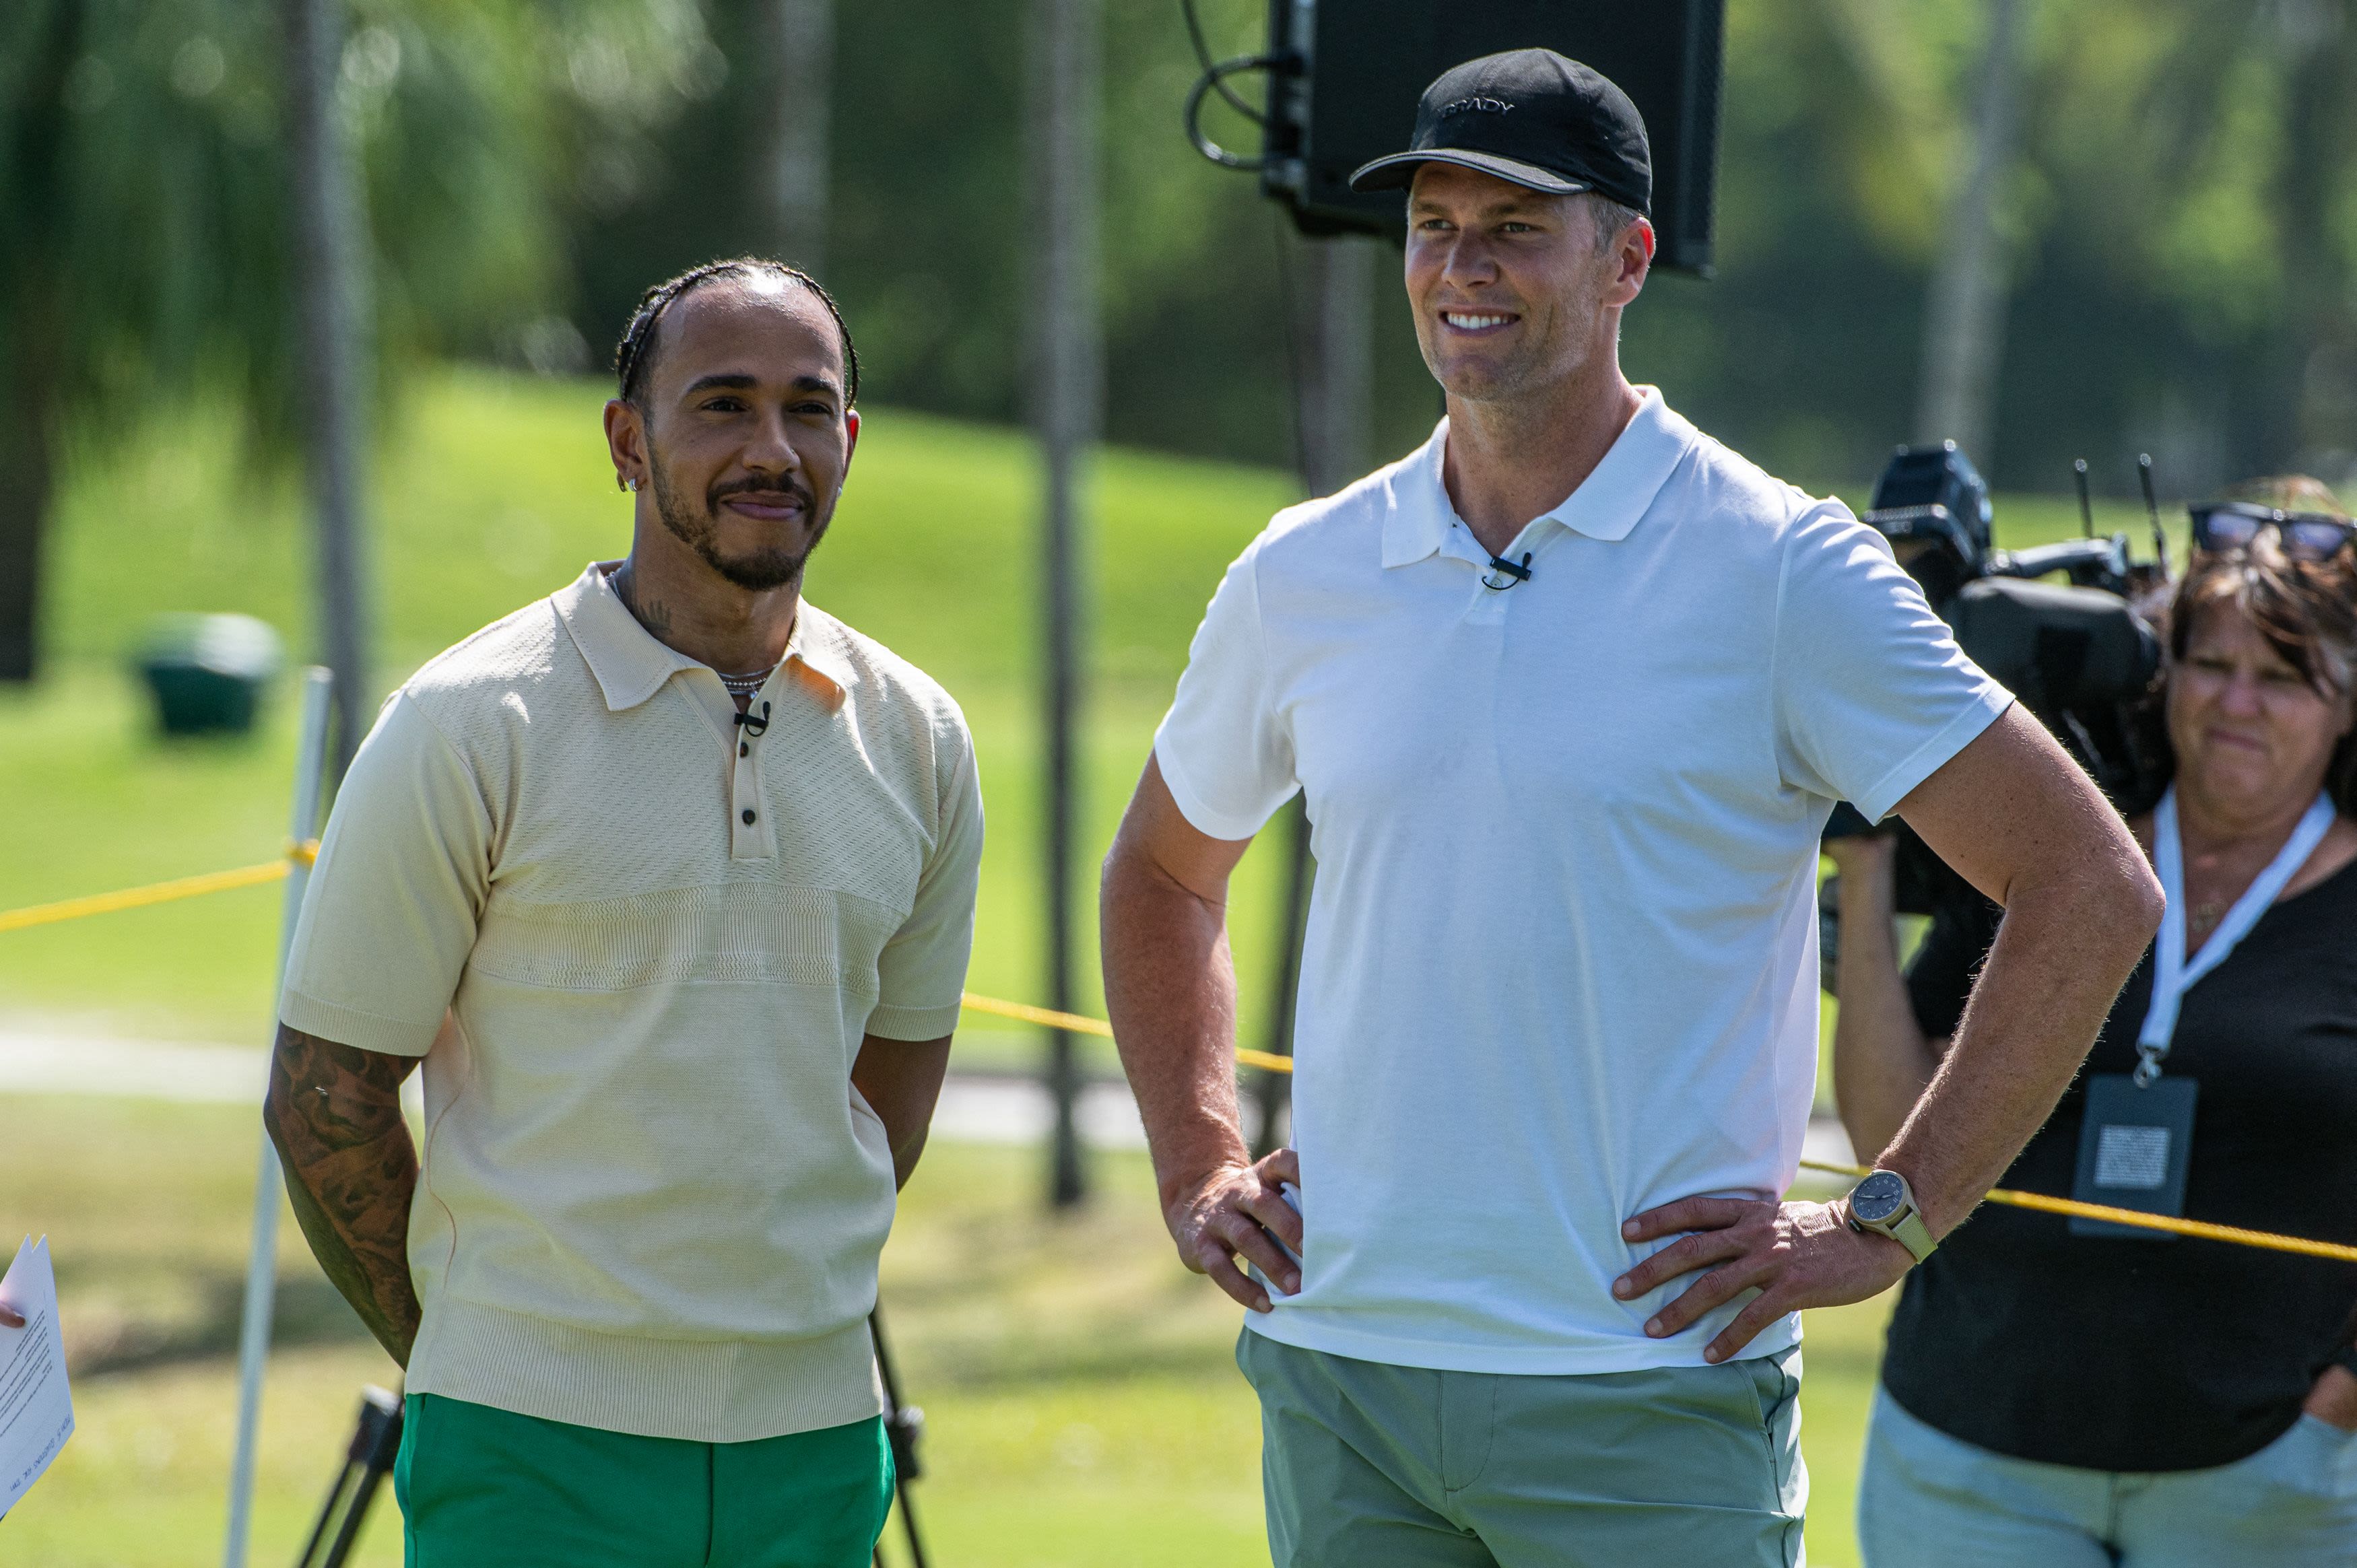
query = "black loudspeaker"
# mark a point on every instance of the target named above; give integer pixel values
(1349, 71)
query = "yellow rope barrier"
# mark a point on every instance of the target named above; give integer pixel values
(1080, 1023)
(1077, 1023)
(2201, 1230)
(158, 892)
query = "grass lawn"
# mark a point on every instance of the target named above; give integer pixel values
(1083, 1407)
(496, 490)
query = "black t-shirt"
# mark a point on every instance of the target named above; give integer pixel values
(2166, 1355)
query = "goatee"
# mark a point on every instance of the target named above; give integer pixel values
(758, 571)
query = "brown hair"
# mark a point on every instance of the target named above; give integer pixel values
(2305, 610)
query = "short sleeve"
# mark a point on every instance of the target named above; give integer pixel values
(922, 972)
(1872, 694)
(1940, 978)
(1226, 757)
(390, 914)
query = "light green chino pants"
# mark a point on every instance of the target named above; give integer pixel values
(1371, 1466)
(488, 1488)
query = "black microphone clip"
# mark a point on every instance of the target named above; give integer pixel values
(1514, 573)
(754, 726)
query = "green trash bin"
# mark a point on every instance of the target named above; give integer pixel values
(208, 672)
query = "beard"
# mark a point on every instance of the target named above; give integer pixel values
(758, 570)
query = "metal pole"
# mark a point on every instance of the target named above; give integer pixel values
(332, 274)
(1067, 375)
(1964, 318)
(803, 49)
(1336, 405)
(262, 1254)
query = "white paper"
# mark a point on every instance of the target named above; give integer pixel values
(35, 1407)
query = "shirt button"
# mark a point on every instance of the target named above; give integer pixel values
(748, 816)
(743, 749)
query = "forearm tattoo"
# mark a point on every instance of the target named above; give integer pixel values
(334, 1113)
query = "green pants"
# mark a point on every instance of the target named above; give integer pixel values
(1371, 1466)
(488, 1489)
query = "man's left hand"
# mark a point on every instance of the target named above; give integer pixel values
(1794, 1254)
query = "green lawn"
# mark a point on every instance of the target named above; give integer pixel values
(1083, 1404)
(498, 491)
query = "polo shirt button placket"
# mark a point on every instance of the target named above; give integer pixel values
(748, 835)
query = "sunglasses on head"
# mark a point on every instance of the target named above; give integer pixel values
(2304, 535)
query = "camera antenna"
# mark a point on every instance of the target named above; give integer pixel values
(2086, 512)
(2152, 511)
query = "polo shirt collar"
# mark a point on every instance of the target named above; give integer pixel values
(1606, 506)
(630, 666)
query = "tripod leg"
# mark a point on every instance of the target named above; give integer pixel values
(336, 1489)
(908, 1523)
(348, 1537)
(375, 1448)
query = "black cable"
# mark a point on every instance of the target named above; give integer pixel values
(1216, 76)
(1203, 58)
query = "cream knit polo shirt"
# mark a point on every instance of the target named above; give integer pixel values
(638, 953)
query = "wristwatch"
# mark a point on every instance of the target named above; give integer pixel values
(1884, 1204)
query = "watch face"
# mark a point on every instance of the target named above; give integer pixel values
(1877, 1197)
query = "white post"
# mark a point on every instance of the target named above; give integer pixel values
(262, 1256)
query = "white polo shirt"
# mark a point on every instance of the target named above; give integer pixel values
(1561, 963)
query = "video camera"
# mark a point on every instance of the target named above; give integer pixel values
(2075, 653)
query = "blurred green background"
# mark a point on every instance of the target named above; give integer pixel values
(2177, 262)
(1083, 1407)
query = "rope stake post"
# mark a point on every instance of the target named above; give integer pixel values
(262, 1256)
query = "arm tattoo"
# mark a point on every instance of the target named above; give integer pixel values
(334, 1113)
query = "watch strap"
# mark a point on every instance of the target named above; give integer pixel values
(1910, 1232)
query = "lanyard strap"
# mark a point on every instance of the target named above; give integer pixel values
(2172, 975)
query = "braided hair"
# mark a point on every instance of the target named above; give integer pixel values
(634, 355)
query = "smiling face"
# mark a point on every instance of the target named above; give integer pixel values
(2253, 736)
(1514, 293)
(744, 439)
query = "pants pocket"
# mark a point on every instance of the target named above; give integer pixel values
(2313, 1458)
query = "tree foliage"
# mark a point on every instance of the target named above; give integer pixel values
(143, 176)
(2184, 223)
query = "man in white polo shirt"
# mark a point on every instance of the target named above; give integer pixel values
(669, 879)
(1570, 691)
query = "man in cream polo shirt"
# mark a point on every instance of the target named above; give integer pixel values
(1570, 693)
(669, 880)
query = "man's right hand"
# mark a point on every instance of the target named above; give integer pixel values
(10, 1317)
(1240, 1209)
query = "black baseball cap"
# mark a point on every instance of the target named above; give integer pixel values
(1531, 116)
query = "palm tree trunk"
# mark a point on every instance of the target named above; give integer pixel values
(25, 486)
(331, 250)
(30, 322)
(1067, 378)
(801, 43)
(1963, 327)
(2309, 390)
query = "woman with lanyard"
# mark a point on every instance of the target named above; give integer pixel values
(2056, 1394)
